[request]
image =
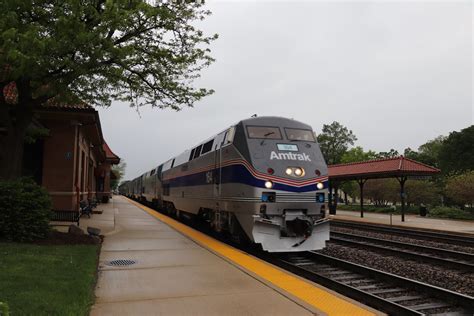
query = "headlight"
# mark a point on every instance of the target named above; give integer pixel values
(268, 184)
(298, 172)
(320, 185)
(289, 171)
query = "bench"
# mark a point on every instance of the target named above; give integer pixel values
(66, 216)
(85, 208)
(93, 202)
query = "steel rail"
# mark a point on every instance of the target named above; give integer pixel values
(454, 259)
(461, 240)
(343, 276)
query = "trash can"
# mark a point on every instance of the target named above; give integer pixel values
(422, 210)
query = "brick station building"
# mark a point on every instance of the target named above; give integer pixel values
(73, 162)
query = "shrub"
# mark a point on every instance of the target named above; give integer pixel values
(4, 309)
(460, 188)
(450, 212)
(380, 209)
(25, 210)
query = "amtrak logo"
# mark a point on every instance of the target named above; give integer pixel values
(289, 156)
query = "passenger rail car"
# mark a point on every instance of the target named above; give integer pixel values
(264, 179)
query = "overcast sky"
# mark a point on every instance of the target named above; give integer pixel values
(396, 73)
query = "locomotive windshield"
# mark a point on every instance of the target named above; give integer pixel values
(299, 134)
(265, 132)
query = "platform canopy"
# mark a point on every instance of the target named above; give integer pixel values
(401, 168)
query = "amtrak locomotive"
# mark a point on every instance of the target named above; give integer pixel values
(263, 179)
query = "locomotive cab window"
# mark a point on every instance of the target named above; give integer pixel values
(263, 132)
(197, 152)
(229, 138)
(300, 134)
(158, 171)
(207, 147)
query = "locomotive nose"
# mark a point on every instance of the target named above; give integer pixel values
(299, 227)
(295, 171)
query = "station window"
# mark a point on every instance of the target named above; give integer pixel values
(207, 147)
(192, 154)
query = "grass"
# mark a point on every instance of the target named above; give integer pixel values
(47, 279)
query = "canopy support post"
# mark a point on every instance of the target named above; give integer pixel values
(402, 181)
(361, 183)
(331, 211)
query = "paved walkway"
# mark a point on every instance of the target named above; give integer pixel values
(410, 221)
(173, 275)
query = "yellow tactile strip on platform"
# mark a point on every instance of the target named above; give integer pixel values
(314, 296)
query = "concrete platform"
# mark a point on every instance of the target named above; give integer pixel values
(411, 221)
(177, 275)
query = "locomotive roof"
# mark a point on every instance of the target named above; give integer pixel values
(258, 120)
(274, 120)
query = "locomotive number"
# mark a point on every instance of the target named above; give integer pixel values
(209, 177)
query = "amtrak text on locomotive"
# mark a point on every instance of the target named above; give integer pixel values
(289, 156)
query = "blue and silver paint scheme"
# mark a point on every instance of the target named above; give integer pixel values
(241, 184)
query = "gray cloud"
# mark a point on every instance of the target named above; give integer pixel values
(396, 73)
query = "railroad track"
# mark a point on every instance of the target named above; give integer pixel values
(461, 240)
(386, 292)
(449, 258)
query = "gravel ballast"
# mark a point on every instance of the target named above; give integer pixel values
(457, 281)
(408, 240)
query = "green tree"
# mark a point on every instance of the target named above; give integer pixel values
(382, 191)
(354, 154)
(457, 153)
(119, 171)
(427, 153)
(460, 188)
(388, 154)
(334, 141)
(95, 51)
(410, 153)
(358, 154)
(419, 192)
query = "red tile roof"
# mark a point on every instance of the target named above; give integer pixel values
(109, 154)
(80, 106)
(388, 167)
(11, 96)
